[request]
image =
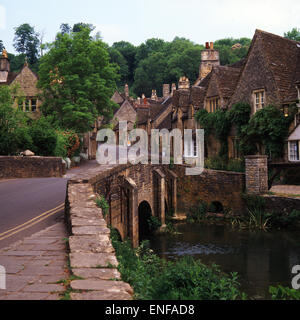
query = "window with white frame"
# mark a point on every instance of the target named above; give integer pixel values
(294, 151)
(191, 149)
(259, 100)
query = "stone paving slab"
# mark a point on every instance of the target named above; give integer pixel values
(35, 265)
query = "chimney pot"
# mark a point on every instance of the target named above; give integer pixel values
(211, 46)
(207, 45)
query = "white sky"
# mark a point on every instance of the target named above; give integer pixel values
(138, 20)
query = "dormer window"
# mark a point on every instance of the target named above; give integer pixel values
(259, 100)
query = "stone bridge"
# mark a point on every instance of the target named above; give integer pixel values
(137, 192)
(134, 194)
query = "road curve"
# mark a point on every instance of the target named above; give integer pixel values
(28, 206)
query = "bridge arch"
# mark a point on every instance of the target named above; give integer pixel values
(145, 213)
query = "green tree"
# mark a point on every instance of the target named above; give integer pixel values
(65, 28)
(79, 26)
(44, 137)
(16, 61)
(117, 58)
(150, 74)
(1, 46)
(128, 51)
(14, 133)
(77, 80)
(294, 34)
(27, 42)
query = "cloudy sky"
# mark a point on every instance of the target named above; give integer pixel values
(138, 20)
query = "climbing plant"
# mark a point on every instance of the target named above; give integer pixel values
(217, 123)
(267, 127)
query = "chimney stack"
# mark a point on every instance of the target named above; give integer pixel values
(184, 83)
(209, 58)
(126, 91)
(154, 95)
(166, 90)
(174, 88)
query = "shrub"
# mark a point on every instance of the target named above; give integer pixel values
(285, 219)
(154, 224)
(61, 149)
(153, 278)
(44, 137)
(284, 293)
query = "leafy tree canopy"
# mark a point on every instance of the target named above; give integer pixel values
(27, 42)
(77, 80)
(14, 133)
(294, 34)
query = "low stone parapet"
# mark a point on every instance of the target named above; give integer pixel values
(31, 167)
(92, 256)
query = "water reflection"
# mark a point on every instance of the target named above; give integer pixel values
(261, 258)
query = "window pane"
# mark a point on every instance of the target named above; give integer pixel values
(20, 105)
(294, 151)
(27, 105)
(33, 105)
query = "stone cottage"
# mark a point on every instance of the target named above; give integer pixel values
(27, 98)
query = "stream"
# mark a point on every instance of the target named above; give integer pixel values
(261, 258)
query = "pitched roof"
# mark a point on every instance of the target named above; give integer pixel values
(151, 111)
(283, 58)
(227, 78)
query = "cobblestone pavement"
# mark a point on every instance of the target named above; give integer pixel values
(35, 264)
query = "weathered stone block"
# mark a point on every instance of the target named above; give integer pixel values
(93, 260)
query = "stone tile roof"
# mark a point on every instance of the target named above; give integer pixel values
(151, 110)
(227, 78)
(283, 58)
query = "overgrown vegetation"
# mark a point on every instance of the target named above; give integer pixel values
(284, 293)
(222, 163)
(257, 216)
(198, 212)
(154, 224)
(18, 132)
(266, 129)
(103, 204)
(153, 278)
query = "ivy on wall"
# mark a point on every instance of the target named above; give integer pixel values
(268, 127)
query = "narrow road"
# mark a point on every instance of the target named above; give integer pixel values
(28, 206)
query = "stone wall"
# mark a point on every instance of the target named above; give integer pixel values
(211, 186)
(284, 205)
(92, 256)
(30, 167)
(257, 174)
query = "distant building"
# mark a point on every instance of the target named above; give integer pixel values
(27, 98)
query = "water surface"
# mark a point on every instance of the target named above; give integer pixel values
(261, 258)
